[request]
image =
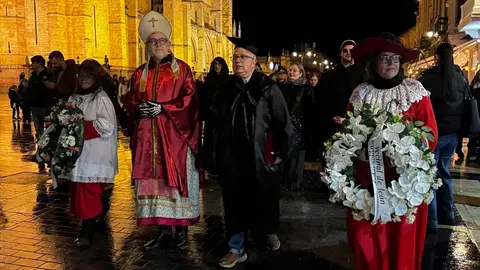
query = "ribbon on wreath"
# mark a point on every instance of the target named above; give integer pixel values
(377, 171)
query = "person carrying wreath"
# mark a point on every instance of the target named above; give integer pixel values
(98, 163)
(392, 245)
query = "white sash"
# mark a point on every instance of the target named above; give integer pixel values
(377, 170)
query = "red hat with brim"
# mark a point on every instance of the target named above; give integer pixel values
(365, 48)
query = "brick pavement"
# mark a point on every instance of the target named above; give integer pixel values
(37, 230)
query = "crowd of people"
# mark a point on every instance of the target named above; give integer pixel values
(258, 130)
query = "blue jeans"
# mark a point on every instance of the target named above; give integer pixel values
(236, 243)
(442, 204)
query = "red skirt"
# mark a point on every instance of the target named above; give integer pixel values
(86, 199)
(395, 245)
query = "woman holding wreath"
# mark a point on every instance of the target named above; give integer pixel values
(397, 244)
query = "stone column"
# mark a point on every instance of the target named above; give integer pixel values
(57, 26)
(118, 34)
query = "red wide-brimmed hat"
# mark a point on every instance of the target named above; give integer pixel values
(385, 43)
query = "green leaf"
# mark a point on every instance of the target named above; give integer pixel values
(430, 137)
(426, 129)
(409, 126)
(418, 123)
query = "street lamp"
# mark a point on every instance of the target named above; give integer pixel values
(430, 34)
(314, 62)
(294, 54)
(271, 65)
(325, 62)
(309, 53)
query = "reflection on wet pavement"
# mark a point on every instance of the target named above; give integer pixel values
(37, 229)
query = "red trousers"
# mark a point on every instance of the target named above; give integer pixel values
(391, 246)
(85, 199)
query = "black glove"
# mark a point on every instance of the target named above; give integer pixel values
(150, 109)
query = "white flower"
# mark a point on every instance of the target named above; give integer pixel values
(403, 146)
(380, 120)
(421, 187)
(429, 197)
(410, 218)
(396, 190)
(398, 206)
(415, 166)
(391, 132)
(71, 140)
(414, 198)
(364, 200)
(417, 159)
(356, 127)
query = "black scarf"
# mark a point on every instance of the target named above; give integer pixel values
(381, 83)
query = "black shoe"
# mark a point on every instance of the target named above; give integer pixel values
(180, 236)
(155, 242)
(448, 221)
(82, 242)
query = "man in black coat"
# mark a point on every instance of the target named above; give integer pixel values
(335, 88)
(253, 133)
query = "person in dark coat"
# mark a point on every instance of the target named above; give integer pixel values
(22, 94)
(335, 88)
(13, 96)
(447, 89)
(216, 79)
(299, 97)
(253, 137)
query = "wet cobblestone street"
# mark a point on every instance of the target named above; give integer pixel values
(37, 229)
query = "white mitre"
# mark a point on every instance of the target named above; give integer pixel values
(154, 22)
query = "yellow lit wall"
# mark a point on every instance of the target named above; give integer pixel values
(99, 28)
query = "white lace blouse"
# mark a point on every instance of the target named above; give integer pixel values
(98, 162)
(397, 99)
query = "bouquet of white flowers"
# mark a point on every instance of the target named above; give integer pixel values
(61, 144)
(375, 133)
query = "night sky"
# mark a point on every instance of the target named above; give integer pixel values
(273, 26)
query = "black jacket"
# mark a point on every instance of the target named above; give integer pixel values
(300, 103)
(252, 122)
(335, 88)
(448, 114)
(38, 95)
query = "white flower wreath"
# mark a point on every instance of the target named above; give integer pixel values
(404, 143)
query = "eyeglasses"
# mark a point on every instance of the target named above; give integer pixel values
(242, 57)
(385, 58)
(345, 50)
(157, 41)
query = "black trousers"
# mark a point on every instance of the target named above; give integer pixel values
(251, 203)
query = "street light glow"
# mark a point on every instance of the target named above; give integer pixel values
(430, 34)
(314, 62)
(294, 54)
(325, 62)
(271, 66)
(309, 53)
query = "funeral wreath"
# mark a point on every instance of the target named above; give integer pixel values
(373, 133)
(61, 144)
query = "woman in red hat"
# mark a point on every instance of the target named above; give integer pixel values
(393, 245)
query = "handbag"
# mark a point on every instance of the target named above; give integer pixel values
(470, 126)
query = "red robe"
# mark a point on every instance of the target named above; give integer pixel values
(172, 132)
(395, 245)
